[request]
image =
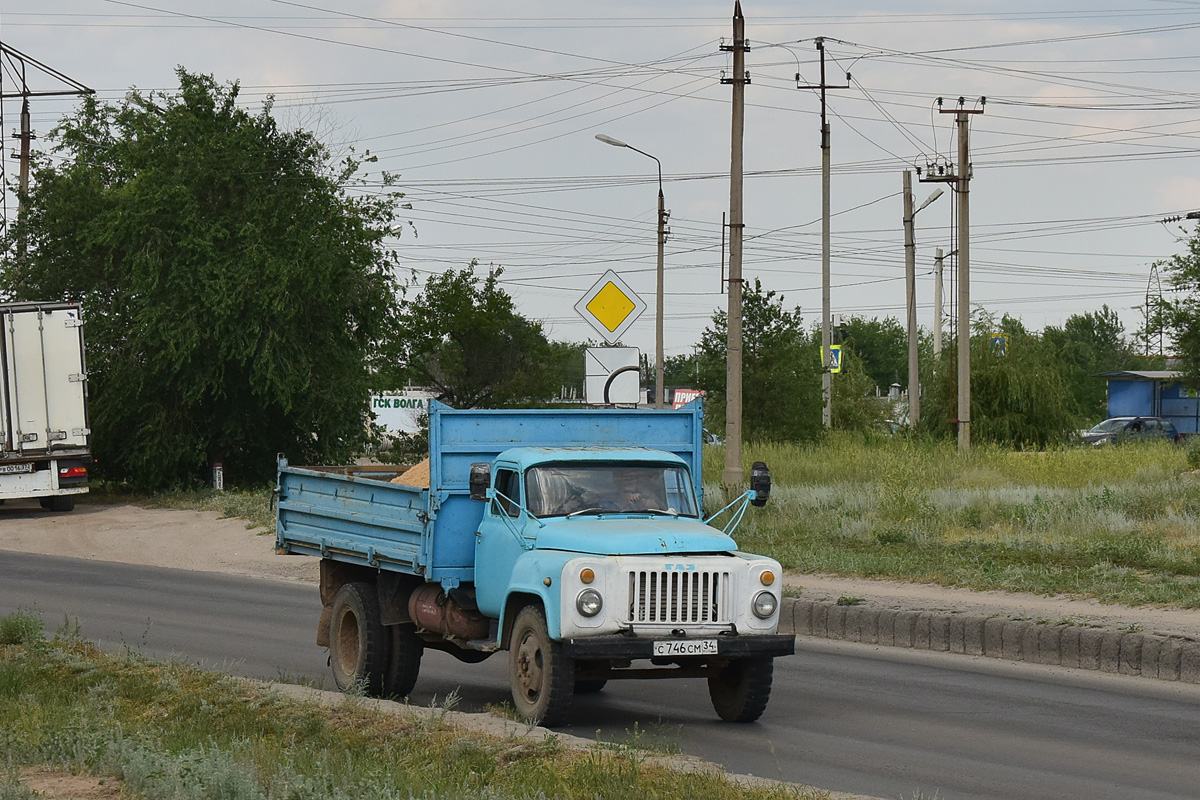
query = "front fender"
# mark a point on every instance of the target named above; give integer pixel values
(537, 573)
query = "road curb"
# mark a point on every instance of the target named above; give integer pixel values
(1168, 658)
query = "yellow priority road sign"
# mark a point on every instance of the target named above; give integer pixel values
(610, 306)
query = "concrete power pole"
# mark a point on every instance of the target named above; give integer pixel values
(15, 62)
(826, 310)
(732, 476)
(910, 294)
(937, 304)
(962, 117)
(910, 286)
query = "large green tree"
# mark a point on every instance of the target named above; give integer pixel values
(1019, 396)
(1182, 310)
(1086, 345)
(462, 337)
(881, 346)
(233, 285)
(781, 370)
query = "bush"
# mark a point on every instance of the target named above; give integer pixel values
(1191, 448)
(21, 627)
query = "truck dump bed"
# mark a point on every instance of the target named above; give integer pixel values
(355, 515)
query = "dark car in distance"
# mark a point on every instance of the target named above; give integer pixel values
(1131, 429)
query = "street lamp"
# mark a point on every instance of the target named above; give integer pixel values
(910, 283)
(662, 240)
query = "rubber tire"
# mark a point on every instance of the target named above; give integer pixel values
(358, 643)
(542, 678)
(58, 503)
(590, 686)
(740, 691)
(404, 661)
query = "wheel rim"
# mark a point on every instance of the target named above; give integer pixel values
(530, 667)
(348, 643)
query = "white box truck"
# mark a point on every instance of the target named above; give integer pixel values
(45, 441)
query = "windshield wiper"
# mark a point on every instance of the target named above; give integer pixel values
(590, 511)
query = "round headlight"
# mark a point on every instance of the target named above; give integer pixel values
(765, 605)
(589, 602)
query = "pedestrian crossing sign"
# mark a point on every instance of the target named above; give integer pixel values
(834, 363)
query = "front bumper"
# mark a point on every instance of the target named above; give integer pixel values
(631, 647)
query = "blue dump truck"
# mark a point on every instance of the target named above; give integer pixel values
(574, 540)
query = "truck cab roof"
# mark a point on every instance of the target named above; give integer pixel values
(530, 456)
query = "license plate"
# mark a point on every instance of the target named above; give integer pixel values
(12, 469)
(686, 647)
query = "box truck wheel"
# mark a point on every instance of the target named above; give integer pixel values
(740, 690)
(58, 503)
(358, 644)
(404, 662)
(542, 677)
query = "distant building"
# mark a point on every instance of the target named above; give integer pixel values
(1153, 393)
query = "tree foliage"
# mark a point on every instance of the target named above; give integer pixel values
(781, 370)
(1019, 397)
(463, 338)
(881, 345)
(1086, 345)
(1182, 311)
(233, 287)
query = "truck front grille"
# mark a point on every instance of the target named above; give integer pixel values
(679, 597)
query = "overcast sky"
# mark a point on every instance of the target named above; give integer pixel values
(488, 112)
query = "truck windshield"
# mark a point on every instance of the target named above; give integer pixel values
(561, 489)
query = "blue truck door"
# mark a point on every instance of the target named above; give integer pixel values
(498, 541)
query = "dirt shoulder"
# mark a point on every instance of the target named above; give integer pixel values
(154, 537)
(203, 542)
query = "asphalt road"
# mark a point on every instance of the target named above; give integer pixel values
(853, 718)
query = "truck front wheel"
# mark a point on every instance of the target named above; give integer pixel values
(542, 677)
(358, 644)
(741, 689)
(404, 662)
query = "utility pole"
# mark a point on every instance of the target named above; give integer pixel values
(826, 355)
(910, 293)
(962, 117)
(960, 177)
(910, 286)
(15, 62)
(732, 476)
(937, 304)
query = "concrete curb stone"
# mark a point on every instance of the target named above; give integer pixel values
(1170, 658)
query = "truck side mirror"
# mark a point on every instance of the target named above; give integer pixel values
(760, 482)
(481, 480)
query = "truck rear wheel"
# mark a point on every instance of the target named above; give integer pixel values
(404, 661)
(358, 644)
(740, 691)
(542, 677)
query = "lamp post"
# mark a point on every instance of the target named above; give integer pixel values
(662, 240)
(910, 281)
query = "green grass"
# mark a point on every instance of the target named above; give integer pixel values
(1120, 524)
(171, 731)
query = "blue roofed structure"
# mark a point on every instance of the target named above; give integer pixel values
(1153, 393)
